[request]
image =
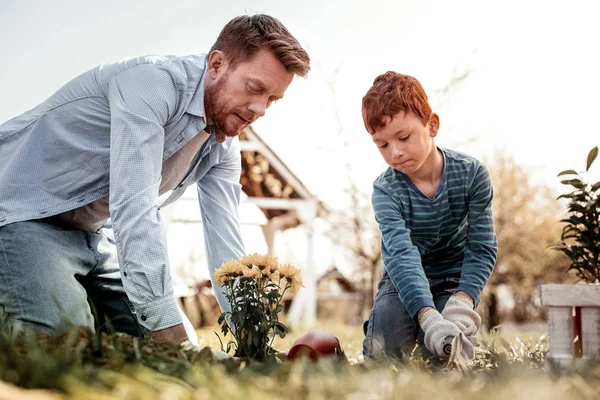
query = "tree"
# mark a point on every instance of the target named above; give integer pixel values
(354, 228)
(526, 218)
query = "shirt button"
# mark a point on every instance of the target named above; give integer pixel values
(144, 318)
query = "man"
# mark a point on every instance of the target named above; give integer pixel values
(107, 144)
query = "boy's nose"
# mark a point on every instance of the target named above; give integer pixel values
(397, 151)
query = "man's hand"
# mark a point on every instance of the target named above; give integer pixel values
(459, 309)
(175, 334)
(217, 355)
(440, 332)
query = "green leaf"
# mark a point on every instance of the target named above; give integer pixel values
(567, 172)
(591, 157)
(576, 183)
(566, 196)
(220, 341)
(577, 208)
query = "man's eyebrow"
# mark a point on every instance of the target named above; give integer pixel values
(257, 82)
(260, 86)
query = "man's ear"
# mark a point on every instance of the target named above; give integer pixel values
(217, 64)
(434, 125)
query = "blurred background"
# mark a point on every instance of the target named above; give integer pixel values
(515, 84)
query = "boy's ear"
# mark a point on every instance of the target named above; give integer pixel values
(434, 125)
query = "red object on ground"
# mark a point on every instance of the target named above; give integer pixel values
(314, 344)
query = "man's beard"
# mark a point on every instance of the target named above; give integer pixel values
(215, 109)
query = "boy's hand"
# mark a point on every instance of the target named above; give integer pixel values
(459, 309)
(439, 332)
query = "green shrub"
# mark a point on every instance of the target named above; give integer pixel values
(580, 239)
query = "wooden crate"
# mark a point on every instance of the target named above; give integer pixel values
(573, 325)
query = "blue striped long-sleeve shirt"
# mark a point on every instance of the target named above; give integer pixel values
(111, 128)
(450, 234)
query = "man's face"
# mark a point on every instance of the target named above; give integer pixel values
(404, 142)
(236, 97)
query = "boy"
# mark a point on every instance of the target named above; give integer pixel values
(438, 245)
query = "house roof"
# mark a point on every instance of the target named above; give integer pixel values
(265, 176)
(334, 274)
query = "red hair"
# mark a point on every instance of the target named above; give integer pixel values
(390, 94)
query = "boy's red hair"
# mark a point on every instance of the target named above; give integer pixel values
(391, 93)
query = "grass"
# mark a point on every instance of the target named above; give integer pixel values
(81, 366)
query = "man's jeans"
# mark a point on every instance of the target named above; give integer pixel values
(52, 278)
(391, 331)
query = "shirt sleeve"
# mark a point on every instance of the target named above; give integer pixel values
(400, 256)
(219, 194)
(482, 244)
(142, 99)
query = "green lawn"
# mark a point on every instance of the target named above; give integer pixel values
(75, 366)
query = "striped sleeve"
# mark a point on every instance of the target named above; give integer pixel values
(401, 257)
(482, 244)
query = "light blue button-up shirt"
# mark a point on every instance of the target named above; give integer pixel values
(111, 128)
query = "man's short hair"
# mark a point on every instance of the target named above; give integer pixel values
(390, 94)
(245, 35)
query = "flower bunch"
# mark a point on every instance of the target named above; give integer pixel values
(254, 286)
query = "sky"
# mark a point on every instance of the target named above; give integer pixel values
(532, 86)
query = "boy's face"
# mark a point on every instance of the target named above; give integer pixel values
(404, 142)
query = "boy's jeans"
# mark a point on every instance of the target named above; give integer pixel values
(391, 331)
(49, 277)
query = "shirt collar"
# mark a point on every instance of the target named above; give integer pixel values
(196, 106)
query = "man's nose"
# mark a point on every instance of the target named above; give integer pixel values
(258, 107)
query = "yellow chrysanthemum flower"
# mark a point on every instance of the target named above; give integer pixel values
(265, 263)
(248, 260)
(227, 271)
(251, 272)
(288, 271)
(275, 275)
(296, 284)
(292, 275)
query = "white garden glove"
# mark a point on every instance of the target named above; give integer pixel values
(460, 310)
(440, 332)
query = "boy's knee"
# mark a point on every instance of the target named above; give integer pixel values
(383, 341)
